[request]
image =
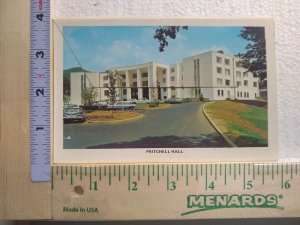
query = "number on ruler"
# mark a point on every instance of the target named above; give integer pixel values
(287, 184)
(134, 186)
(249, 184)
(39, 91)
(172, 186)
(40, 16)
(40, 53)
(212, 186)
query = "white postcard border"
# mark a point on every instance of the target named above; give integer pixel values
(166, 155)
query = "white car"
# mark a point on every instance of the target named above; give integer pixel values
(142, 101)
(120, 106)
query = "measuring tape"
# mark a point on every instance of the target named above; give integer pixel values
(40, 90)
(175, 191)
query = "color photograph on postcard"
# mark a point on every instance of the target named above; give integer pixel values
(161, 88)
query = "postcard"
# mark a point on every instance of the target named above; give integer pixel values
(156, 90)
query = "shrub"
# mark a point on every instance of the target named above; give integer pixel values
(153, 104)
(186, 100)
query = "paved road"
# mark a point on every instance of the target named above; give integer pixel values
(180, 126)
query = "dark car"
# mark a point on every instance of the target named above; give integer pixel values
(73, 115)
(98, 105)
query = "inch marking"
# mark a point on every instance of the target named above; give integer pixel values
(73, 176)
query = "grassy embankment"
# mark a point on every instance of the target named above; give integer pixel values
(246, 125)
(111, 116)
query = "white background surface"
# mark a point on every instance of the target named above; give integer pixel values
(287, 18)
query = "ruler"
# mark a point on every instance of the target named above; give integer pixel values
(40, 90)
(175, 191)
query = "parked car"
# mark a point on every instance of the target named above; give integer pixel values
(174, 100)
(98, 105)
(70, 106)
(120, 106)
(140, 101)
(75, 114)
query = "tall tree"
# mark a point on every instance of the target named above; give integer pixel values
(112, 90)
(254, 59)
(162, 34)
(89, 94)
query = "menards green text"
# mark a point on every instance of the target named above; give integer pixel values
(232, 201)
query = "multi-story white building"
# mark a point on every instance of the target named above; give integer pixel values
(212, 75)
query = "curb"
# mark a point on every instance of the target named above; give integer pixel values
(227, 139)
(114, 122)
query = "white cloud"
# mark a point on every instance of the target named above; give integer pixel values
(119, 53)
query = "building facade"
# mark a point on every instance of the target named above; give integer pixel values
(212, 75)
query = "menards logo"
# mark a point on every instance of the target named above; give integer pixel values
(199, 203)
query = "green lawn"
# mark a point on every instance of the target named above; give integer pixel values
(257, 116)
(246, 125)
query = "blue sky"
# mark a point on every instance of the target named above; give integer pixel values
(100, 48)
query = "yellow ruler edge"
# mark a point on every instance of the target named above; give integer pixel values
(175, 191)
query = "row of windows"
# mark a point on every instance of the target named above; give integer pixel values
(220, 60)
(220, 92)
(240, 94)
(238, 83)
(227, 61)
(227, 72)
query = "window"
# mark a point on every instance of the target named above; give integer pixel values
(165, 89)
(238, 64)
(172, 69)
(219, 70)
(105, 85)
(134, 84)
(227, 62)
(219, 92)
(238, 94)
(172, 78)
(124, 92)
(227, 71)
(144, 74)
(227, 82)
(123, 76)
(134, 75)
(222, 92)
(247, 94)
(105, 78)
(245, 83)
(123, 84)
(238, 83)
(164, 80)
(254, 84)
(106, 92)
(219, 81)
(245, 74)
(238, 74)
(145, 83)
(172, 88)
(164, 71)
(219, 59)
